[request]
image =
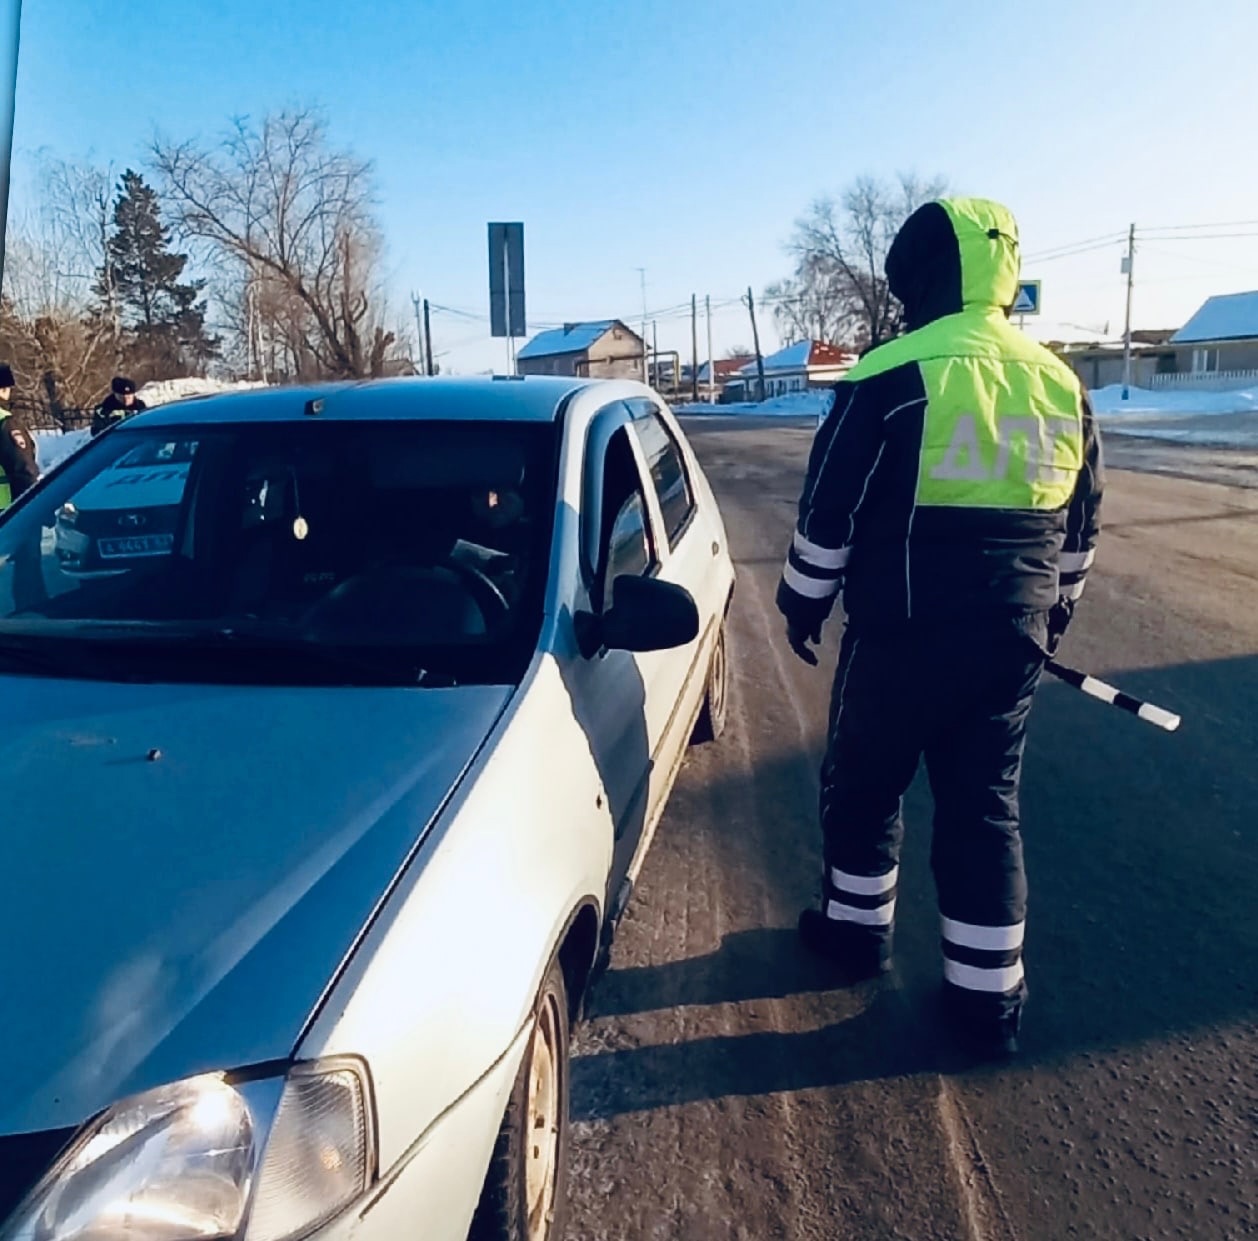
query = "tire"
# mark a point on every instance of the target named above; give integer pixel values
(525, 1192)
(712, 715)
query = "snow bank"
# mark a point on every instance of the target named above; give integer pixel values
(1217, 419)
(1141, 401)
(53, 447)
(164, 391)
(810, 404)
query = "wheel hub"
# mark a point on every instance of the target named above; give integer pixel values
(542, 1152)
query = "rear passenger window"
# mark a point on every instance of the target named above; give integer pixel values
(668, 475)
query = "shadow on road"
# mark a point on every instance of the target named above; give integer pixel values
(876, 1043)
(1142, 855)
(750, 965)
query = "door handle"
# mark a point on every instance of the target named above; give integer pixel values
(716, 548)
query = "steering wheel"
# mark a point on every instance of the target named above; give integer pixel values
(491, 601)
(355, 605)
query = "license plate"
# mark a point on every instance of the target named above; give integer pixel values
(136, 545)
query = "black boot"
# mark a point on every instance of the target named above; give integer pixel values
(981, 1032)
(856, 953)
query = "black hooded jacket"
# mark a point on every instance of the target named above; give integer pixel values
(957, 478)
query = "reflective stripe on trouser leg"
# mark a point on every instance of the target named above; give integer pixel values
(983, 959)
(866, 900)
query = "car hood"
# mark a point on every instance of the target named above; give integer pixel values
(183, 868)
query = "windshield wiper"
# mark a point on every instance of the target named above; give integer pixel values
(67, 648)
(388, 666)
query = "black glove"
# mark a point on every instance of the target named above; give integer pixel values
(799, 635)
(1059, 618)
(804, 618)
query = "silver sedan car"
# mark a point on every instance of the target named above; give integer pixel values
(321, 812)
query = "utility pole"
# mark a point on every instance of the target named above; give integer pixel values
(655, 356)
(645, 374)
(419, 335)
(694, 348)
(12, 36)
(430, 369)
(707, 306)
(755, 337)
(1129, 263)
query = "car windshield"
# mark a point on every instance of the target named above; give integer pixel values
(391, 552)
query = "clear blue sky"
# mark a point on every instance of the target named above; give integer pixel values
(684, 136)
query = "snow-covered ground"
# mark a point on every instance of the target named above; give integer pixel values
(1226, 419)
(1143, 402)
(53, 447)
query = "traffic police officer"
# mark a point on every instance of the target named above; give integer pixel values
(121, 403)
(953, 497)
(19, 467)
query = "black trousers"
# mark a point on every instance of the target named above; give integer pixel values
(960, 699)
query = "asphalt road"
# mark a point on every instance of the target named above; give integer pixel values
(722, 1090)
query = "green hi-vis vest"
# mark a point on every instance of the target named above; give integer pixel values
(1004, 422)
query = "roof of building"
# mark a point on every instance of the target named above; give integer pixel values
(1228, 316)
(803, 353)
(571, 338)
(531, 399)
(726, 367)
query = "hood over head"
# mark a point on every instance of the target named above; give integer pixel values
(954, 254)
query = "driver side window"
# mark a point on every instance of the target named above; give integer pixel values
(626, 544)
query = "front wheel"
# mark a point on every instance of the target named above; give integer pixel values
(715, 709)
(526, 1188)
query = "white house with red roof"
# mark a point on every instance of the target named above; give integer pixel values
(796, 368)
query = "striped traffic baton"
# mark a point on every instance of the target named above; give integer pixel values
(1097, 688)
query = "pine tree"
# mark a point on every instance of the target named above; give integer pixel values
(163, 318)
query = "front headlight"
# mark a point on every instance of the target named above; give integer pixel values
(205, 1159)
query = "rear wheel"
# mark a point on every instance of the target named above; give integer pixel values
(525, 1189)
(712, 715)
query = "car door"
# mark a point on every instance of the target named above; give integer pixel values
(610, 689)
(689, 553)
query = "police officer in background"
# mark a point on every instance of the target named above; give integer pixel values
(19, 466)
(121, 403)
(953, 496)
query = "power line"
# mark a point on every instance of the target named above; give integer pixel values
(1052, 256)
(1181, 228)
(1196, 236)
(1072, 246)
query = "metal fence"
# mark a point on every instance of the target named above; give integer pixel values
(40, 418)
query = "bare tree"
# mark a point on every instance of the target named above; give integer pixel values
(63, 345)
(814, 304)
(838, 288)
(293, 217)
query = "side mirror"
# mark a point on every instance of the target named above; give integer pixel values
(647, 614)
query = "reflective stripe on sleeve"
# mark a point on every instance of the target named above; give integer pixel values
(1073, 591)
(809, 587)
(1076, 562)
(822, 557)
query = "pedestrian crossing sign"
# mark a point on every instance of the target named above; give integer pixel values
(1028, 300)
